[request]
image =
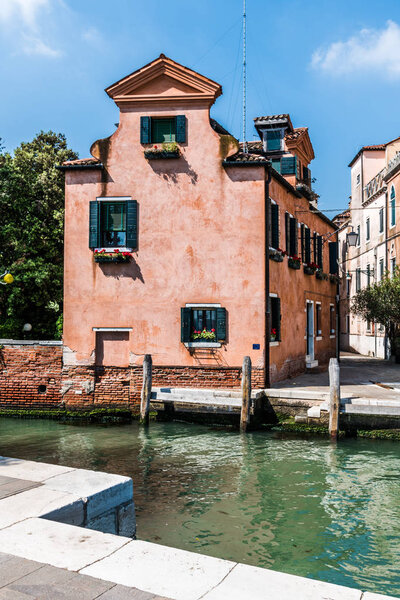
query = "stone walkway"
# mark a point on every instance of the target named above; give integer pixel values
(22, 579)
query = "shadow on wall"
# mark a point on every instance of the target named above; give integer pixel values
(130, 269)
(169, 169)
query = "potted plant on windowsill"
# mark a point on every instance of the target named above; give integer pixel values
(276, 255)
(204, 336)
(333, 278)
(321, 275)
(273, 335)
(310, 268)
(102, 256)
(166, 150)
(294, 262)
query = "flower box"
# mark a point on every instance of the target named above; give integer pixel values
(204, 336)
(309, 270)
(158, 154)
(321, 275)
(112, 257)
(276, 255)
(294, 263)
(333, 278)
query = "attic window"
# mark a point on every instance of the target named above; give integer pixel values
(163, 130)
(273, 139)
(155, 130)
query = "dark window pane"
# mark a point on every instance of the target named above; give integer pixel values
(113, 224)
(163, 130)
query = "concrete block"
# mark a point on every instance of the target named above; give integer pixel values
(27, 469)
(58, 544)
(102, 491)
(127, 520)
(163, 571)
(107, 522)
(245, 581)
(41, 501)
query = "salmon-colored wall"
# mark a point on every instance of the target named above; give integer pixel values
(200, 239)
(295, 288)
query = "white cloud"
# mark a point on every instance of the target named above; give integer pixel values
(26, 10)
(34, 45)
(370, 50)
(92, 36)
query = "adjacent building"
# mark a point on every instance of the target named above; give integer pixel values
(182, 244)
(372, 215)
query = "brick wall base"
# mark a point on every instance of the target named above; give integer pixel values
(33, 376)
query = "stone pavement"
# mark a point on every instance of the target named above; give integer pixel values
(22, 579)
(359, 376)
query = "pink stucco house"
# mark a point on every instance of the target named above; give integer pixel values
(182, 245)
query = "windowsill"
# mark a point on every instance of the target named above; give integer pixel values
(318, 338)
(120, 248)
(332, 336)
(203, 344)
(274, 344)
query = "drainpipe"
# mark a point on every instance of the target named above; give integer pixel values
(386, 265)
(267, 332)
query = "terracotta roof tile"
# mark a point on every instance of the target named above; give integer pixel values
(296, 133)
(241, 157)
(272, 118)
(257, 145)
(81, 162)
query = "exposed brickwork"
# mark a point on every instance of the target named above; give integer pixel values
(30, 376)
(24, 368)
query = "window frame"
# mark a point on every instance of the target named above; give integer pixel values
(156, 121)
(275, 306)
(111, 199)
(318, 320)
(367, 229)
(381, 221)
(392, 206)
(332, 320)
(220, 331)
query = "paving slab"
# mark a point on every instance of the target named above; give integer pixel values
(121, 592)
(245, 581)
(29, 470)
(9, 594)
(14, 568)
(162, 570)
(41, 501)
(101, 490)
(371, 596)
(15, 486)
(77, 586)
(58, 544)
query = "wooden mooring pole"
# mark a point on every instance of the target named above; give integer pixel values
(334, 399)
(146, 390)
(246, 394)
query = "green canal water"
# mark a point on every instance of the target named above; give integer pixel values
(301, 506)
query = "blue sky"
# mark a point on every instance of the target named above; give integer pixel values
(334, 66)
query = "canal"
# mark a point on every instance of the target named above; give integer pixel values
(300, 506)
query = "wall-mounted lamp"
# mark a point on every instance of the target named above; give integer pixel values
(352, 238)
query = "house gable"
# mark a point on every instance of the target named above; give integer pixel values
(163, 80)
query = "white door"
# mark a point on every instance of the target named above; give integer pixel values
(310, 331)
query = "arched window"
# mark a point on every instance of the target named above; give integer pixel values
(392, 207)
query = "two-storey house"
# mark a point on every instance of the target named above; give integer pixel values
(183, 245)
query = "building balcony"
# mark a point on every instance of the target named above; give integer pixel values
(375, 186)
(393, 166)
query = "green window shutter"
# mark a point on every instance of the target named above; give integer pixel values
(131, 224)
(145, 130)
(287, 232)
(180, 121)
(307, 249)
(333, 265)
(278, 320)
(185, 324)
(276, 164)
(288, 165)
(221, 324)
(302, 245)
(293, 236)
(93, 224)
(319, 252)
(274, 226)
(273, 139)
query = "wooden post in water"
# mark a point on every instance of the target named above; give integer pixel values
(334, 400)
(246, 394)
(146, 390)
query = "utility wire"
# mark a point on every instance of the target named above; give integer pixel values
(217, 42)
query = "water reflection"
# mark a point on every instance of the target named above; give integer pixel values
(302, 506)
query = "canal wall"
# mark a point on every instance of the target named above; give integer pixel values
(28, 531)
(39, 375)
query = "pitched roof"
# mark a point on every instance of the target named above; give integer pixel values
(274, 119)
(366, 149)
(296, 133)
(81, 162)
(257, 145)
(245, 158)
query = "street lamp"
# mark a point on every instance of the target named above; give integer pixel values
(352, 238)
(6, 278)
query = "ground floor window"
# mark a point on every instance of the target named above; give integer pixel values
(332, 320)
(203, 324)
(318, 321)
(275, 311)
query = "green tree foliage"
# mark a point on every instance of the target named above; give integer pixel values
(31, 235)
(380, 302)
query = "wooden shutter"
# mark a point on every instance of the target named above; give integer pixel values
(131, 224)
(315, 257)
(185, 324)
(274, 137)
(307, 249)
(288, 165)
(221, 324)
(274, 226)
(278, 320)
(302, 243)
(276, 164)
(180, 121)
(293, 236)
(319, 251)
(93, 224)
(287, 232)
(333, 265)
(145, 130)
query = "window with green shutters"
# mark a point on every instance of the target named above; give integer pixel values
(293, 236)
(333, 258)
(274, 240)
(319, 260)
(275, 312)
(392, 207)
(307, 245)
(113, 224)
(203, 325)
(273, 139)
(289, 165)
(159, 130)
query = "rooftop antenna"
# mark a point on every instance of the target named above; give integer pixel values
(245, 149)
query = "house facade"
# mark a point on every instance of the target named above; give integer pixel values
(181, 244)
(372, 215)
